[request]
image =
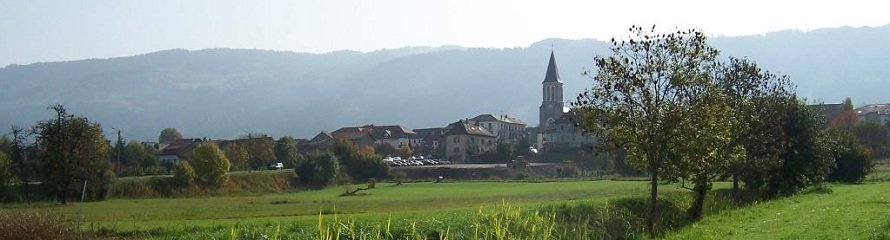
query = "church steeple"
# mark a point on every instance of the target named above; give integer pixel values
(552, 72)
(552, 102)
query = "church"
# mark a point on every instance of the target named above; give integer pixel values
(556, 129)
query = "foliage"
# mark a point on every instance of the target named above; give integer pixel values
(169, 135)
(183, 174)
(385, 149)
(642, 98)
(286, 151)
(237, 155)
(6, 177)
(853, 160)
(260, 150)
(72, 150)
(318, 170)
(357, 164)
(875, 136)
(210, 164)
(405, 151)
(809, 155)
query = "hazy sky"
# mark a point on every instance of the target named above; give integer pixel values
(44, 31)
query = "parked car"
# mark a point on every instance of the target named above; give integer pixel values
(276, 166)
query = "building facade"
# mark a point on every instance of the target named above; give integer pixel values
(464, 140)
(504, 128)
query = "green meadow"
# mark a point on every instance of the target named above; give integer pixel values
(575, 209)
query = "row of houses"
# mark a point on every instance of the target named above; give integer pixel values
(456, 142)
(459, 140)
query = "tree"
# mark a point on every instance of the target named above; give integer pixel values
(6, 177)
(808, 156)
(385, 149)
(318, 170)
(72, 150)
(759, 99)
(641, 96)
(237, 155)
(286, 151)
(358, 164)
(260, 150)
(169, 135)
(405, 151)
(210, 164)
(20, 154)
(847, 117)
(873, 135)
(853, 160)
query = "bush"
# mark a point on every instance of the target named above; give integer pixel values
(211, 165)
(183, 174)
(318, 170)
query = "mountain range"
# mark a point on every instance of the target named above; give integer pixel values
(225, 93)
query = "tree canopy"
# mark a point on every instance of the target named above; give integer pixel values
(210, 164)
(168, 135)
(71, 150)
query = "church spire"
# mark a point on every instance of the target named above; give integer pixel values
(552, 73)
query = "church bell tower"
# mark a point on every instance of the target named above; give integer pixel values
(552, 104)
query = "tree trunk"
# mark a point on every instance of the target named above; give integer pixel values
(653, 198)
(735, 186)
(696, 211)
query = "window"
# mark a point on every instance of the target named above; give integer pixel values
(456, 139)
(456, 150)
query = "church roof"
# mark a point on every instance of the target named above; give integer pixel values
(552, 72)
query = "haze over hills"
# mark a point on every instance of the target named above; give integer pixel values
(224, 93)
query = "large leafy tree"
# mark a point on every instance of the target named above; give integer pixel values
(358, 164)
(22, 154)
(650, 97)
(260, 150)
(237, 155)
(210, 164)
(71, 151)
(758, 98)
(169, 135)
(286, 151)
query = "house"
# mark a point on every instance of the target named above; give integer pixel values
(178, 150)
(360, 136)
(504, 128)
(464, 139)
(320, 143)
(874, 112)
(431, 140)
(368, 135)
(395, 135)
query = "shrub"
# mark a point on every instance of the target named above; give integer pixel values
(318, 170)
(183, 174)
(211, 165)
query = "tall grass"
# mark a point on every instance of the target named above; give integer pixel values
(32, 223)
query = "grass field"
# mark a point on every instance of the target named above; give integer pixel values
(844, 212)
(386, 201)
(458, 210)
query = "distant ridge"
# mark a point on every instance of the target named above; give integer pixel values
(223, 93)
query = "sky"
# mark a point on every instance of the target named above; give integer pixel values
(48, 31)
